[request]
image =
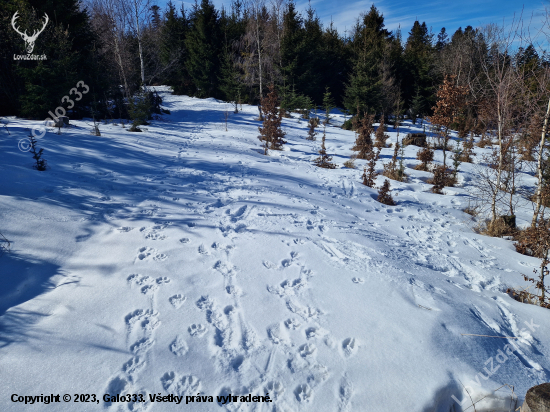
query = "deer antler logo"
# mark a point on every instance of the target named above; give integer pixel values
(29, 40)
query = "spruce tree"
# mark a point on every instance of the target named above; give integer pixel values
(419, 70)
(363, 143)
(328, 105)
(203, 43)
(384, 194)
(292, 46)
(365, 82)
(233, 27)
(40, 164)
(271, 133)
(381, 135)
(324, 160)
(311, 133)
(369, 175)
(333, 64)
(173, 51)
(308, 78)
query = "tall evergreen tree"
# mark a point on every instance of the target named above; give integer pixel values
(203, 44)
(364, 86)
(292, 53)
(309, 80)
(233, 27)
(334, 63)
(419, 67)
(32, 88)
(173, 51)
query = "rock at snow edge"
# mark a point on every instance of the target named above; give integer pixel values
(537, 399)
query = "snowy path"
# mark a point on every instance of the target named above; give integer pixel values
(182, 260)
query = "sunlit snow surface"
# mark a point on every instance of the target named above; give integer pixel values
(182, 260)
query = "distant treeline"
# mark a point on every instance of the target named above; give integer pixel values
(117, 46)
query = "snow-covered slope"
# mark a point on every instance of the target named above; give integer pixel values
(182, 260)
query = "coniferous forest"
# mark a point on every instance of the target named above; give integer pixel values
(241, 205)
(234, 54)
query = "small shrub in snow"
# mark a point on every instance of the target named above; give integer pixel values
(139, 109)
(391, 170)
(370, 173)
(324, 160)
(438, 181)
(4, 123)
(380, 135)
(40, 164)
(350, 164)
(467, 149)
(384, 194)
(328, 105)
(484, 141)
(271, 133)
(426, 156)
(348, 124)
(535, 241)
(311, 133)
(497, 228)
(363, 143)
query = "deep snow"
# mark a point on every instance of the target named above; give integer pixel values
(182, 260)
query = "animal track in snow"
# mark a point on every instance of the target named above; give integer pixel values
(147, 254)
(307, 350)
(140, 280)
(292, 323)
(224, 268)
(197, 330)
(233, 290)
(275, 389)
(205, 303)
(303, 393)
(117, 385)
(276, 334)
(287, 287)
(125, 229)
(162, 280)
(305, 312)
(179, 346)
(315, 332)
(142, 346)
(358, 280)
(185, 240)
(250, 339)
(318, 374)
(177, 300)
(297, 364)
(182, 386)
(269, 265)
(202, 250)
(153, 233)
(133, 366)
(345, 393)
(147, 319)
(350, 346)
(149, 289)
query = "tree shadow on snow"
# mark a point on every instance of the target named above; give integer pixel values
(23, 279)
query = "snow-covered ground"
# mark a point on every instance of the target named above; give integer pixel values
(182, 260)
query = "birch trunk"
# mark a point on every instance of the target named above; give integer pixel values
(539, 167)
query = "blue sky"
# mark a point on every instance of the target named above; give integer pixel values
(436, 14)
